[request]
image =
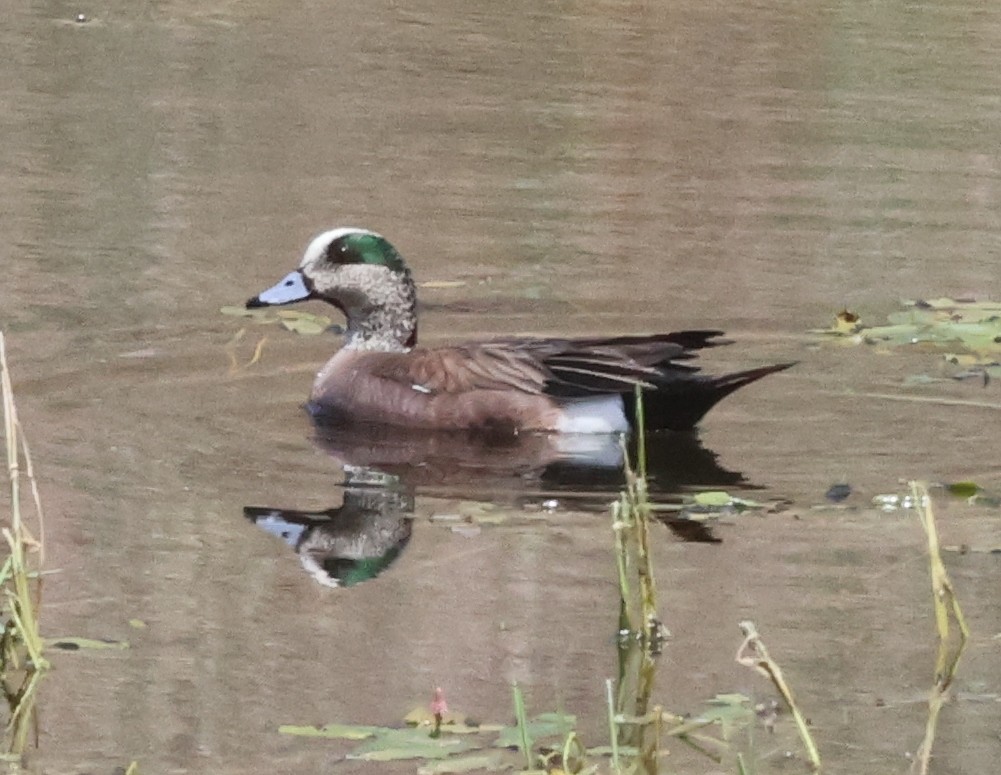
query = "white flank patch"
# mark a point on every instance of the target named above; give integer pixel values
(604, 414)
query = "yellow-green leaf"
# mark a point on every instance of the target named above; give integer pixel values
(303, 322)
(714, 498)
(963, 489)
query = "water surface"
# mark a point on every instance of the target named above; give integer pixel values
(618, 167)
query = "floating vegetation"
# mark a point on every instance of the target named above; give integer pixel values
(973, 493)
(22, 663)
(709, 505)
(300, 322)
(547, 742)
(438, 735)
(289, 319)
(967, 333)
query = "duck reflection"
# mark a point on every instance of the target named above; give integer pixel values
(350, 543)
(385, 468)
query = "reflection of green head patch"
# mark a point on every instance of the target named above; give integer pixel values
(368, 249)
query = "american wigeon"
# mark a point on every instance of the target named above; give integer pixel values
(581, 385)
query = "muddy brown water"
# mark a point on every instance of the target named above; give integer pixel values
(615, 167)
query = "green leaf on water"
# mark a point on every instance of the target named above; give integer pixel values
(409, 743)
(729, 700)
(339, 731)
(963, 489)
(452, 723)
(943, 303)
(290, 319)
(963, 307)
(543, 725)
(720, 499)
(730, 711)
(715, 498)
(303, 322)
(911, 317)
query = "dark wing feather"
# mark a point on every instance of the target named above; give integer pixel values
(584, 367)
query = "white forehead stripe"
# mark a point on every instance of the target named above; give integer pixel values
(292, 287)
(320, 242)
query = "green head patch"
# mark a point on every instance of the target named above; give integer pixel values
(360, 247)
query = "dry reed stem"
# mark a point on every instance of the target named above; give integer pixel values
(947, 610)
(752, 653)
(943, 593)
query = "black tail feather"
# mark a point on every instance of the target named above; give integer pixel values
(679, 404)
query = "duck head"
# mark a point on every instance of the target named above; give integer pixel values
(362, 274)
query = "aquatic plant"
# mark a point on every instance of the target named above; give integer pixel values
(21, 646)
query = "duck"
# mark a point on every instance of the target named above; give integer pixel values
(506, 386)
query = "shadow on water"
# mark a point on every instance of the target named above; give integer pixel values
(385, 469)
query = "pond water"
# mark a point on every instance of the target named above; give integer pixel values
(548, 169)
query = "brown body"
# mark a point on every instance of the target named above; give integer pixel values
(359, 386)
